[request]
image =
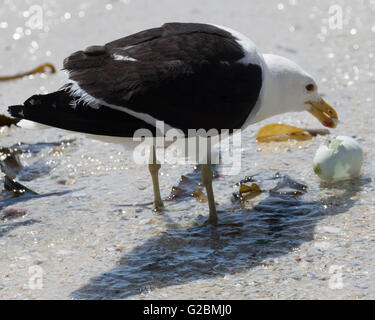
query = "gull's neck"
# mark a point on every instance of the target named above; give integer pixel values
(271, 94)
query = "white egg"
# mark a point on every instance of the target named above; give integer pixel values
(341, 159)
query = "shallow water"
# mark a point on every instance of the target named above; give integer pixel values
(88, 240)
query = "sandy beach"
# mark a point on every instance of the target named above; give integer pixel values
(94, 238)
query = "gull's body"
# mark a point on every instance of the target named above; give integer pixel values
(188, 75)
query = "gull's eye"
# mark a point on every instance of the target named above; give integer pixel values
(310, 87)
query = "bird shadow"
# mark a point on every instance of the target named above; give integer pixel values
(243, 240)
(9, 227)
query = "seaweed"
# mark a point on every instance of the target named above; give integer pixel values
(39, 69)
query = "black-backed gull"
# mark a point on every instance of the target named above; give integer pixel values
(188, 75)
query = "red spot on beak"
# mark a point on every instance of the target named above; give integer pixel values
(329, 123)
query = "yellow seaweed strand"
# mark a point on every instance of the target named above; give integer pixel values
(39, 69)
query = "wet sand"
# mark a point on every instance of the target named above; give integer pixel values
(90, 244)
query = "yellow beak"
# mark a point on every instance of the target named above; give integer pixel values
(324, 113)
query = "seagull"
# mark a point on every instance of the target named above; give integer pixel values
(187, 75)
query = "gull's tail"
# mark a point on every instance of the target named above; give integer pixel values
(59, 109)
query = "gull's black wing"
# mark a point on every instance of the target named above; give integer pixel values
(186, 74)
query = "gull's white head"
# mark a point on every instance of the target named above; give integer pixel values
(288, 88)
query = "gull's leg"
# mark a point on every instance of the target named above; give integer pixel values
(207, 182)
(154, 168)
